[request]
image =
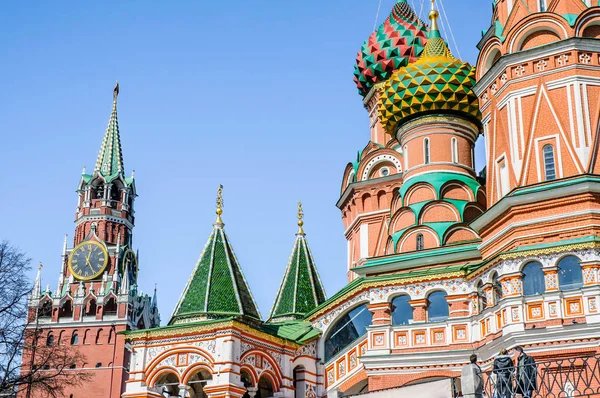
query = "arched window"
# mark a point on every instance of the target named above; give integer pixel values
(454, 150)
(542, 5)
(570, 276)
(533, 279)
(405, 155)
(111, 336)
(549, 163)
(66, 310)
(438, 309)
(90, 308)
(197, 383)
(346, 330)
(265, 388)
(496, 289)
(50, 340)
(402, 311)
(100, 192)
(420, 242)
(168, 385)
(426, 150)
(45, 310)
(86, 337)
(482, 302)
(110, 308)
(75, 338)
(99, 337)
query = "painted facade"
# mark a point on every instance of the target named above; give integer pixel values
(442, 261)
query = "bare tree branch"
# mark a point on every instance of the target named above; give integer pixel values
(28, 363)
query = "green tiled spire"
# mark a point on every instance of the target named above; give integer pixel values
(301, 290)
(217, 287)
(110, 158)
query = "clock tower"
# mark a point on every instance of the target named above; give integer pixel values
(97, 296)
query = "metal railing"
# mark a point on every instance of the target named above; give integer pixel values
(560, 378)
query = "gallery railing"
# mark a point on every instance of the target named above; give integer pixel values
(569, 377)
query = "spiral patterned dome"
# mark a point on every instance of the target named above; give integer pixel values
(397, 42)
(436, 82)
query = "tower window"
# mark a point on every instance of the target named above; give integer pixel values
(74, 339)
(420, 242)
(99, 364)
(50, 340)
(503, 183)
(405, 154)
(426, 150)
(454, 150)
(549, 163)
(542, 5)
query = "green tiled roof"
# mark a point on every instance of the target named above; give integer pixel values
(301, 289)
(298, 331)
(217, 287)
(110, 158)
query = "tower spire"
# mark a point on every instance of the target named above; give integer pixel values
(37, 286)
(300, 219)
(219, 222)
(301, 289)
(110, 158)
(434, 31)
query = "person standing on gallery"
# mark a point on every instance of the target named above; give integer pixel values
(526, 373)
(503, 369)
(471, 379)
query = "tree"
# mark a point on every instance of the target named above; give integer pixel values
(47, 364)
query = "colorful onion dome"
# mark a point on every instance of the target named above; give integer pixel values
(436, 82)
(397, 42)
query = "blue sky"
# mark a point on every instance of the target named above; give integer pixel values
(257, 96)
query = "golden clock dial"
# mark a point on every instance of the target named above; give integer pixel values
(130, 264)
(88, 260)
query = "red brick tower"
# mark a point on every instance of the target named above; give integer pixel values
(97, 297)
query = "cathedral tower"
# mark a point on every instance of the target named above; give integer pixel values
(96, 296)
(370, 180)
(538, 89)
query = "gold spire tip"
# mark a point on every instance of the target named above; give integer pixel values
(433, 16)
(116, 91)
(219, 210)
(300, 218)
(41, 266)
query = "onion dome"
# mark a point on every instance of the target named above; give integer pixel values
(436, 82)
(397, 42)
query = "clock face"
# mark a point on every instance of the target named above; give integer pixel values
(88, 260)
(130, 264)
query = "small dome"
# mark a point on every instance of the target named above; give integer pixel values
(436, 82)
(397, 42)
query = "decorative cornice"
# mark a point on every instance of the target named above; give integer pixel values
(388, 282)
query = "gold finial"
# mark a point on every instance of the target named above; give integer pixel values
(219, 205)
(116, 91)
(40, 267)
(433, 16)
(300, 217)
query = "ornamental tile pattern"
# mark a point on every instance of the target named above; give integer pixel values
(301, 290)
(217, 287)
(396, 43)
(437, 81)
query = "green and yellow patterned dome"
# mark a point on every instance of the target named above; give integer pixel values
(435, 82)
